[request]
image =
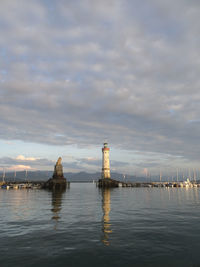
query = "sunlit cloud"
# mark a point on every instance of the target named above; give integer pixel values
(8, 142)
(17, 168)
(21, 157)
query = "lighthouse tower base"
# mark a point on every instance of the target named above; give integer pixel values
(108, 183)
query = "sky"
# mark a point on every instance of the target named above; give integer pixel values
(74, 74)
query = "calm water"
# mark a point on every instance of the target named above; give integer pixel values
(85, 226)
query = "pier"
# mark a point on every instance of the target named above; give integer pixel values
(105, 183)
(22, 185)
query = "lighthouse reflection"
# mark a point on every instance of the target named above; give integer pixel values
(106, 217)
(56, 204)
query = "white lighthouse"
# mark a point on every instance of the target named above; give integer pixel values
(105, 161)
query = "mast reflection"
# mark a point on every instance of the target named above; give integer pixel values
(57, 204)
(106, 218)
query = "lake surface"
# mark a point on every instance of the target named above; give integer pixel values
(86, 226)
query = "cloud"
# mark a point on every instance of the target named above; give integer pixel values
(88, 164)
(128, 71)
(21, 157)
(8, 143)
(18, 168)
(20, 160)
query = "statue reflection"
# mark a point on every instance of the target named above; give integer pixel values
(106, 218)
(57, 204)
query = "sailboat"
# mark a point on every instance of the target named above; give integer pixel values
(161, 185)
(15, 186)
(194, 178)
(177, 178)
(3, 180)
(26, 175)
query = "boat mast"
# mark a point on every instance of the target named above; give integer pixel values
(194, 175)
(189, 174)
(26, 175)
(4, 175)
(183, 176)
(160, 176)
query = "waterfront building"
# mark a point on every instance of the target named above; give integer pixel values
(105, 161)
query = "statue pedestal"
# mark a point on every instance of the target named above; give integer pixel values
(57, 181)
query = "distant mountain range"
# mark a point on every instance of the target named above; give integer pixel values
(71, 177)
(76, 177)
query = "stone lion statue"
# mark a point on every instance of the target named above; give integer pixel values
(59, 161)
